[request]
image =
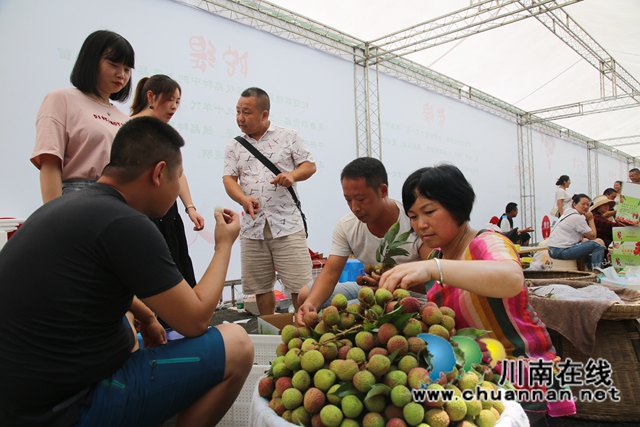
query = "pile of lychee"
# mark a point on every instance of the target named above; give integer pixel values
(355, 365)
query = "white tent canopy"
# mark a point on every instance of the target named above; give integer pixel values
(522, 63)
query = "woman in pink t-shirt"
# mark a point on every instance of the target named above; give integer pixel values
(75, 126)
(159, 96)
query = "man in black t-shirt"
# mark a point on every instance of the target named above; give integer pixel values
(77, 266)
(519, 237)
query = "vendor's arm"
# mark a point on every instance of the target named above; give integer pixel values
(153, 334)
(495, 279)
(593, 233)
(189, 311)
(249, 204)
(323, 286)
(185, 196)
(301, 173)
(50, 177)
(610, 214)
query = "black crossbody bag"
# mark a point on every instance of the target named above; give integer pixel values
(273, 168)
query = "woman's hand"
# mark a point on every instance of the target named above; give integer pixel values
(197, 219)
(588, 216)
(407, 275)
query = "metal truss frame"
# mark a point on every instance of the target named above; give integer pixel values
(618, 88)
(477, 18)
(574, 36)
(367, 98)
(584, 108)
(527, 182)
(622, 141)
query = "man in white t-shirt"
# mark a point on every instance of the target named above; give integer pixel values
(366, 190)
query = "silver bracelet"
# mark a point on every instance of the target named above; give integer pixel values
(439, 271)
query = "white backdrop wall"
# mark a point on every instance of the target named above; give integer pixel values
(422, 128)
(611, 170)
(214, 60)
(554, 157)
(310, 92)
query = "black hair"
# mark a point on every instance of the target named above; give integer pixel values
(636, 170)
(140, 144)
(511, 206)
(577, 197)
(618, 182)
(160, 85)
(100, 45)
(609, 191)
(562, 179)
(443, 183)
(261, 96)
(372, 170)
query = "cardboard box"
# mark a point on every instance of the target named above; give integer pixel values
(628, 210)
(272, 324)
(626, 247)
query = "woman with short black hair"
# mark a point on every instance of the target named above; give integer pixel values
(475, 272)
(75, 127)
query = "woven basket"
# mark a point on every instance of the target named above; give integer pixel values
(618, 342)
(534, 277)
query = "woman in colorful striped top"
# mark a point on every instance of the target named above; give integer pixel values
(477, 272)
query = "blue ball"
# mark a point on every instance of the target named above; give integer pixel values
(443, 359)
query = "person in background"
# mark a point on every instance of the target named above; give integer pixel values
(521, 237)
(273, 234)
(612, 195)
(573, 238)
(475, 272)
(618, 187)
(604, 223)
(634, 175)
(366, 190)
(563, 198)
(159, 96)
(75, 126)
(69, 355)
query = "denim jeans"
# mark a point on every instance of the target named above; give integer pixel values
(75, 185)
(590, 251)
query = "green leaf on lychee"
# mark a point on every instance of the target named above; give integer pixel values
(380, 249)
(346, 389)
(402, 320)
(459, 354)
(389, 317)
(393, 355)
(370, 327)
(397, 252)
(471, 333)
(390, 236)
(376, 390)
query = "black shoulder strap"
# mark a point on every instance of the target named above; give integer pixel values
(273, 168)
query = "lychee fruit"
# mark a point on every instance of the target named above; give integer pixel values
(314, 400)
(331, 416)
(266, 386)
(324, 379)
(311, 319)
(431, 315)
(291, 398)
(413, 413)
(339, 301)
(378, 365)
(330, 316)
(312, 361)
(386, 332)
(398, 343)
(351, 406)
(364, 340)
(363, 381)
(440, 331)
(410, 305)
